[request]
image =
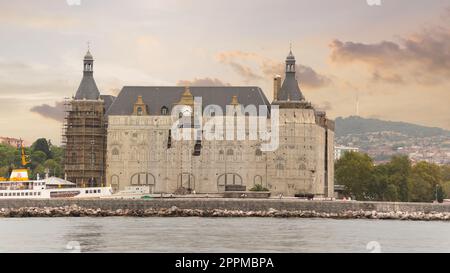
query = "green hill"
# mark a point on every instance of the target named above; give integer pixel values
(359, 125)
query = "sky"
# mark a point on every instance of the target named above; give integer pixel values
(393, 60)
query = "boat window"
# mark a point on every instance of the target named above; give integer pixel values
(99, 191)
(39, 193)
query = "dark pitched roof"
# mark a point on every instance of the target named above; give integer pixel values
(108, 99)
(290, 89)
(88, 89)
(157, 97)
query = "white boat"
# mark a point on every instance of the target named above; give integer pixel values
(19, 187)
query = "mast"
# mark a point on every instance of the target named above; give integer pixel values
(23, 155)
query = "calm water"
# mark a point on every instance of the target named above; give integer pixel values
(220, 235)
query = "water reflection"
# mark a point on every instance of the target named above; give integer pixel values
(89, 236)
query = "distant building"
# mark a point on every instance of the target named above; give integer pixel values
(10, 141)
(339, 151)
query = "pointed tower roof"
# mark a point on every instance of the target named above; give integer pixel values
(290, 90)
(88, 88)
(88, 55)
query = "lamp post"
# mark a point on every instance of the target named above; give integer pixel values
(437, 186)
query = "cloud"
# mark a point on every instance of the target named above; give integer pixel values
(389, 78)
(34, 21)
(235, 60)
(267, 68)
(423, 57)
(202, 82)
(307, 76)
(55, 112)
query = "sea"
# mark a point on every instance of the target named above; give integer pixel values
(220, 235)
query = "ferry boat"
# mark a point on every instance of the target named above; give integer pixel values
(18, 186)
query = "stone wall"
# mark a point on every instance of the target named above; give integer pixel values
(232, 204)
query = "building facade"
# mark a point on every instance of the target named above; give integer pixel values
(141, 149)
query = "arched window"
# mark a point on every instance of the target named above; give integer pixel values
(115, 183)
(143, 179)
(164, 111)
(115, 154)
(221, 155)
(280, 169)
(258, 180)
(228, 179)
(187, 181)
(230, 152)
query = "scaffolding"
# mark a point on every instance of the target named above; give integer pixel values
(84, 138)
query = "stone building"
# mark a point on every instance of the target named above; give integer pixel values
(85, 131)
(141, 149)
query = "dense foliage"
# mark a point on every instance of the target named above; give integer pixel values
(397, 180)
(42, 156)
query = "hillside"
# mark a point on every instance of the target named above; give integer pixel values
(359, 125)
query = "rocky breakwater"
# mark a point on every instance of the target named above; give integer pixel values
(77, 211)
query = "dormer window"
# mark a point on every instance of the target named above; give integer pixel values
(140, 108)
(164, 111)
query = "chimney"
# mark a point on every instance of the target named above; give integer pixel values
(276, 86)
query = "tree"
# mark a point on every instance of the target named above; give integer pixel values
(7, 155)
(399, 172)
(57, 154)
(4, 171)
(38, 170)
(425, 180)
(42, 145)
(354, 171)
(53, 167)
(381, 187)
(10, 158)
(445, 172)
(38, 158)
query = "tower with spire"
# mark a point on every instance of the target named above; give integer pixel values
(85, 131)
(88, 88)
(290, 90)
(308, 133)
